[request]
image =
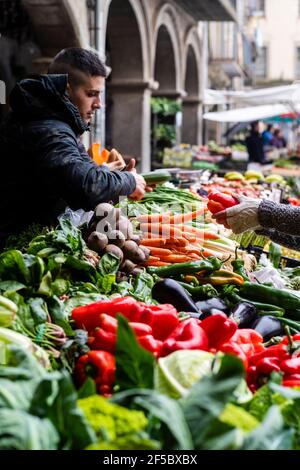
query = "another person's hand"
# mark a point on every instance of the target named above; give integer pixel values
(242, 217)
(115, 161)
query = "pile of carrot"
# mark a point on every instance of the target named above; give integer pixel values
(171, 240)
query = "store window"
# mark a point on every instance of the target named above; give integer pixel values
(297, 71)
(256, 7)
(260, 67)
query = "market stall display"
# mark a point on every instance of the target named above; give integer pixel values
(121, 345)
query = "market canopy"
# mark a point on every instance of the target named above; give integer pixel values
(249, 114)
(261, 103)
(272, 95)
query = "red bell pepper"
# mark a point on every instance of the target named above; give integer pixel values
(101, 366)
(277, 350)
(266, 365)
(187, 335)
(236, 350)
(151, 344)
(223, 200)
(87, 317)
(214, 207)
(219, 329)
(163, 319)
(108, 323)
(291, 365)
(291, 383)
(103, 340)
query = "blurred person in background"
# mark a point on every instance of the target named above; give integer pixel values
(254, 144)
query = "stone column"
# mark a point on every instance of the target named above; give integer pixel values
(130, 120)
(191, 120)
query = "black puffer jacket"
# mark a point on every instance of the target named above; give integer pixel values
(43, 165)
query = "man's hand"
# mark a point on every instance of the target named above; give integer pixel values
(242, 217)
(115, 161)
(140, 188)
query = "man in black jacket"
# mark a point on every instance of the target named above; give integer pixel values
(44, 166)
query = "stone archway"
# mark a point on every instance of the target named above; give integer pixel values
(128, 89)
(58, 24)
(166, 60)
(191, 104)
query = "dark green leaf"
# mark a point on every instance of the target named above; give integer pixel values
(142, 287)
(12, 286)
(58, 314)
(175, 431)
(272, 434)
(22, 431)
(109, 264)
(135, 365)
(208, 397)
(88, 389)
(39, 310)
(56, 399)
(45, 285)
(13, 267)
(81, 270)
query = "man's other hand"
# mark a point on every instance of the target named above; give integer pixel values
(115, 161)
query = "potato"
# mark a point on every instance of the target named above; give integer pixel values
(97, 241)
(133, 252)
(115, 250)
(117, 238)
(125, 226)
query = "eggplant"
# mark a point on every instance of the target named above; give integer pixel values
(206, 306)
(168, 291)
(244, 314)
(268, 327)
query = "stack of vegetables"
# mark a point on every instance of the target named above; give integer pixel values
(187, 324)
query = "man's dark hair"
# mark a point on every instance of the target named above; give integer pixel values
(77, 63)
(269, 127)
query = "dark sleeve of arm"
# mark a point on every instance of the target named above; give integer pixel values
(69, 172)
(290, 241)
(280, 217)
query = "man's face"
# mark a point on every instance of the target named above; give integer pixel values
(87, 96)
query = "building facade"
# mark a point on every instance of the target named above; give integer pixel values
(275, 26)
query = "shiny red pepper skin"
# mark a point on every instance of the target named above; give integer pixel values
(87, 317)
(291, 366)
(214, 207)
(100, 366)
(277, 350)
(236, 350)
(225, 200)
(103, 340)
(219, 329)
(267, 365)
(151, 344)
(161, 318)
(187, 335)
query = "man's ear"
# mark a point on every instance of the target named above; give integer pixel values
(68, 89)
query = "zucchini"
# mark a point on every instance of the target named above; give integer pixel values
(157, 177)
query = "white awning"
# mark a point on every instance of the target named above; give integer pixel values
(252, 113)
(271, 95)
